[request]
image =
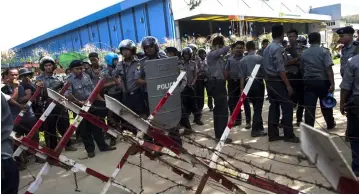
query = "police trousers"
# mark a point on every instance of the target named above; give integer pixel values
(59, 121)
(220, 111)
(297, 83)
(256, 97)
(202, 84)
(10, 177)
(189, 103)
(90, 132)
(234, 92)
(279, 98)
(353, 132)
(315, 89)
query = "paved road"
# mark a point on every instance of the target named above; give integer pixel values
(61, 181)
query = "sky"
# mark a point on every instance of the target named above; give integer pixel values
(37, 17)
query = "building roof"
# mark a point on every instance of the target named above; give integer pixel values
(119, 7)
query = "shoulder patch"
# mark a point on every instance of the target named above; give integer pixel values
(356, 43)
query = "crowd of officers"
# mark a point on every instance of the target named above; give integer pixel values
(295, 77)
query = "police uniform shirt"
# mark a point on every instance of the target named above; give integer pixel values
(191, 70)
(81, 86)
(50, 81)
(216, 63)
(350, 80)
(315, 62)
(348, 51)
(131, 69)
(274, 59)
(232, 66)
(247, 64)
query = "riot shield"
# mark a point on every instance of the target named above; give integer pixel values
(160, 75)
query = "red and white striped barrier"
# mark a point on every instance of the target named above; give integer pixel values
(28, 103)
(256, 181)
(38, 124)
(168, 94)
(65, 138)
(150, 118)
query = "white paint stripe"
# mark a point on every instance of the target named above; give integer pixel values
(47, 111)
(116, 185)
(179, 79)
(35, 185)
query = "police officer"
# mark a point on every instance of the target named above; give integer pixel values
(202, 81)
(264, 44)
(150, 46)
(94, 71)
(349, 106)
(189, 94)
(217, 84)
(256, 93)
(133, 96)
(194, 51)
(351, 47)
(171, 51)
(59, 118)
(278, 87)
(232, 71)
(294, 51)
(113, 89)
(316, 63)
(78, 92)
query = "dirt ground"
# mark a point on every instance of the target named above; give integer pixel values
(61, 181)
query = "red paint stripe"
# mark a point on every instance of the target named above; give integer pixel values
(65, 138)
(17, 119)
(161, 103)
(124, 158)
(236, 111)
(271, 185)
(34, 129)
(164, 140)
(348, 186)
(94, 120)
(97, 174)
(27, 192)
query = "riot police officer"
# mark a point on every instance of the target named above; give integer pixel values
(189, 94)
(78, 92)
(349, 106)
(256, 93)
(217, 84)
(351, 47)
(150, 46)
(316, 63)
(59, 118)
(278, 87)
(133, 95)
(232, 70)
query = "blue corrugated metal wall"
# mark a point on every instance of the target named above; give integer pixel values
(152, 18)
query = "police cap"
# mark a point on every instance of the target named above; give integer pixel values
(345, 30)
(76, 63)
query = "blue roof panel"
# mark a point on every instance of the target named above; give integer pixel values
(126, 4)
